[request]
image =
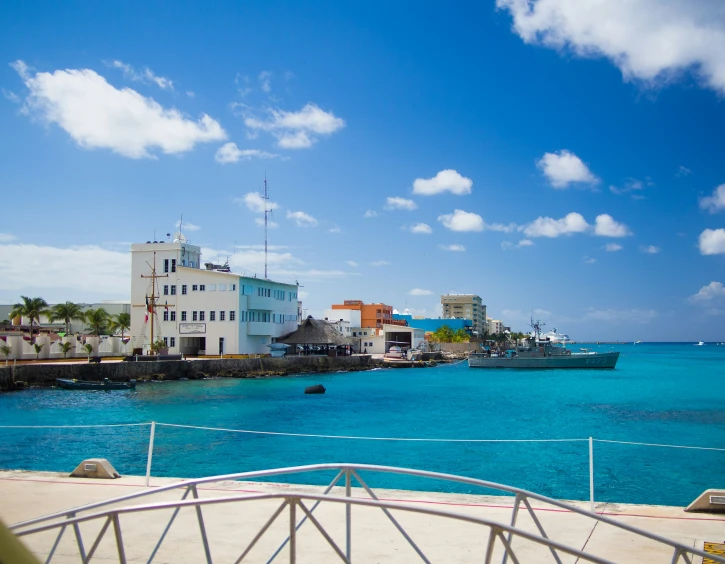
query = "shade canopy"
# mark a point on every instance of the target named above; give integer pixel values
(314, 332)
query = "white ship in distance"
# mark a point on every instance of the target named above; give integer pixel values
(556, 337)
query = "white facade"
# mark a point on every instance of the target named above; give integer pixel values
(494, 326)
(351, 316)
(205, 311)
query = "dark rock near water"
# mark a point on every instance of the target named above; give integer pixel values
(316, 389)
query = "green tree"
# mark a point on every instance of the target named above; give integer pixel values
(97, 320)
(444, 334)
(64, 348)
(6, 349)
(32, 308)
(460, 336)
(89, 349)
(66, 312)
(38, 348)
(157, 345)
(121, 322)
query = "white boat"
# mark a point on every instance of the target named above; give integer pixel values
(538, 353)
(556, 337)
(700, 344)
(638, 342)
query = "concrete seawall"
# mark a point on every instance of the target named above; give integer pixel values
(43, 375)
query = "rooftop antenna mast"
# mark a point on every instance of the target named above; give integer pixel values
(266, 215)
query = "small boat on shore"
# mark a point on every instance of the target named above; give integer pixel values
(106, 384)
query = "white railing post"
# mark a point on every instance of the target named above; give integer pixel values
(151, 452)
(591, 474)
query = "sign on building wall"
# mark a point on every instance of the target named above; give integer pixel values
(191, 328)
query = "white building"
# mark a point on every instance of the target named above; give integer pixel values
(494, 326)
(205, 310)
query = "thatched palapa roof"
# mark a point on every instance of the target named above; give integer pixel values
(314, 332)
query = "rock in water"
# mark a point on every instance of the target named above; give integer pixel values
(316, 389)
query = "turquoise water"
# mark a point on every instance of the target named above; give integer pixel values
(659, 393)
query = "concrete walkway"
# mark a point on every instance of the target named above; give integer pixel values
(231, 526)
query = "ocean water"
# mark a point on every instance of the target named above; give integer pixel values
(659, 393)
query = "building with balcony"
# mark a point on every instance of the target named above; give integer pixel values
(496, 326)
(465, 306)
(208, 310)
(371, 315)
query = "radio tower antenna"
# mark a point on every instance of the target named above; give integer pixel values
(266, 215)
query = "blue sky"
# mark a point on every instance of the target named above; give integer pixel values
(555, 157)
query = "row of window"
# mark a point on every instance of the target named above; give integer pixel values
(276, 294)
(173, 265)
(359, 333)
(171, 289)
(170, 341)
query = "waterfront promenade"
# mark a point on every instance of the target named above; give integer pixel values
(230, 527)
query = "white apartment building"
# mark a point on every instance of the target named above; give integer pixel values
(205, 310)
(465, 306)
(494, 326)
(345, 320)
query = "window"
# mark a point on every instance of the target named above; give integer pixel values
(172, 341)
(212, 287)
(173, 315)
(201, 316)
(201, 287)
(212, 316)
(194, 316)
(183, 289)
(173, 289)
(222, 287)
(183, 316)
(221, 316)
(232, 315)
(166, 342)
(194, 287)
(166, 315)
(173, 265)
(166, 289)
(232, 287)
(166, 265)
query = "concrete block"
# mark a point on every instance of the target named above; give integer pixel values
(95, 468)
(709, 501)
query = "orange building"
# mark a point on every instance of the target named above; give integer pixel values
(372, 315)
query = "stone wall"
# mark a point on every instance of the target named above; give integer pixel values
(45, 374)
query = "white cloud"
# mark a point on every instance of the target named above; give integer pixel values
(12, 96)
(97, 115)
(650, 249)
(712, 242)
(589, 260)
(505, 245)
(713, 292)
(632, 185)
(445, 181)
(453, 248)
(302, 219)
(270, 224)
(335, 230)
(265, 78)
(7, 238)
(352, 263)
(461, 220)
(188, 226)
(648, 40)
(421, 228)
(502, 227)
(295, 130)
(255, 202)
(230, 153)
(59, 270)
(606, 226)
(683, 171)
(419, 292)
(380, 263)
(261, 247)
(146, 75)
(370, 213)
(548, 227)
(565, 168)
(397, 203)
(190, 94)
(640, 316)
(613, 247)
(716, 202)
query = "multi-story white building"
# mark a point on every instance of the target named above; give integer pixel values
(465, 306)
(206, 310)
(495, 326)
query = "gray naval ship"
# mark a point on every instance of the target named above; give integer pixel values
(535, 353)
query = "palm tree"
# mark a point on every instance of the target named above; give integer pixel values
(66, 312)
(460, 336)
(32, 308)
(65, 347)
(121, 322)
(97, 320)
(38, 348)
(5, 349)
(89, 350)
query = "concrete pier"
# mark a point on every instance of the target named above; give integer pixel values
(230, 527)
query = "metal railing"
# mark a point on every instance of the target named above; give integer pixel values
(504, 534)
